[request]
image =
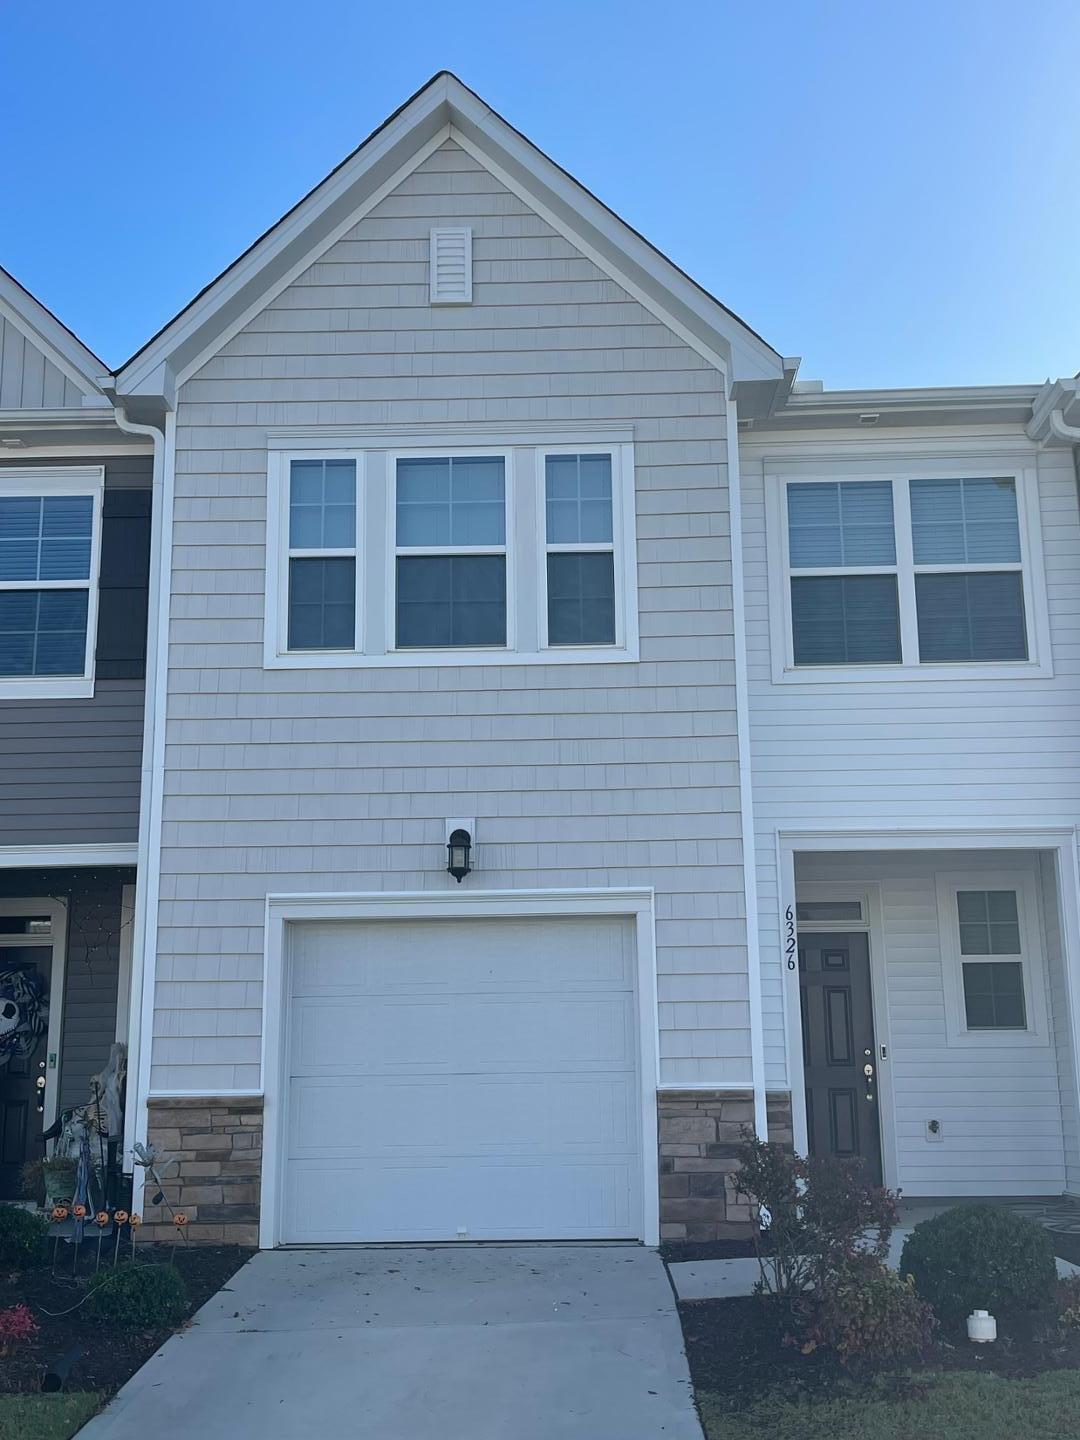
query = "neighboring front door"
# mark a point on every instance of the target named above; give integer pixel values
(839, 1054)
(22, 1084)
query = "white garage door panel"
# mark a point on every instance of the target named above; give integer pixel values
(462, 1079)
(338, 1203)
(468, 1115)
(376, 1033)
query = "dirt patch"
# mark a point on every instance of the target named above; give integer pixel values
(109, 1355)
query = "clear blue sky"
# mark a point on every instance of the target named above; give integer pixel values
(890, 191)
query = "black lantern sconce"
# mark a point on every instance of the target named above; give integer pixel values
(458, 854)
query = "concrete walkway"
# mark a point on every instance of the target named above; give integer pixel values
(535, 1342)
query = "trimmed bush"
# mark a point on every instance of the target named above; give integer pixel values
(140, 1295)
(980, 1257)
(22, 1236)
(866, 1316)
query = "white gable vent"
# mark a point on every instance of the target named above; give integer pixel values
(451, 265)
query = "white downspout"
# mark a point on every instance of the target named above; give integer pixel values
(1061, 430)
(746, 796)
(140, 1002)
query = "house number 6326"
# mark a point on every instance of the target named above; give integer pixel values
(790, 945)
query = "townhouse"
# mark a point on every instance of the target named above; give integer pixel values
(571, 738)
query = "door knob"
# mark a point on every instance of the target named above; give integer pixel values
(868, 1071)
(40, 1082)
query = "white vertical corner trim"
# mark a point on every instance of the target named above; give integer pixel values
(151, 791)
(636, 904)
(1067, 880)
(746, 796)
(123, 975)
(451, 265)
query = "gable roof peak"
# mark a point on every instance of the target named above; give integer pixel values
(443, 107)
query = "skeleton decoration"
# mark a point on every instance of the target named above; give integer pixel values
(107, 1088)
(24, 1013)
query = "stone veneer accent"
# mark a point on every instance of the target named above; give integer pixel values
(216, 1145)
(699, 1131)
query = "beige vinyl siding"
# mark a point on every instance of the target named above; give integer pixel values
(998, 1103)
(926, 753)
(28, 380)
(577, 775)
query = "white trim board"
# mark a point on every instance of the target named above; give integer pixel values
(57, 857)
(281, 910)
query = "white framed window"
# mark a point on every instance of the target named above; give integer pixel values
(459, 549)
(932, 569)
(992, 958)
(451, 552)
(582, 602)
(322, 590)
(50, 556)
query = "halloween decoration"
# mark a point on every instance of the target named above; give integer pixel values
(24, 1013)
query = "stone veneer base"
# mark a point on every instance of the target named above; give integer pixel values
(699, 1132)
(216, 1147)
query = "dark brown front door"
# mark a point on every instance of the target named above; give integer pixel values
(838, 1046)
(22, 1100)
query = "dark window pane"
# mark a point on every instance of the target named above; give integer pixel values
(46, 539)
(43, 632)
(845, 620)
(578, 499)
(971, 617)
(322, 604)
(964, 521)
(581, 599)
(994, 995)
(448, 601)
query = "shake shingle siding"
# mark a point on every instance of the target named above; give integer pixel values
(577, 775)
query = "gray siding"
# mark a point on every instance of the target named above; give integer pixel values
(296, 780)
(29, 381)
(70, 772)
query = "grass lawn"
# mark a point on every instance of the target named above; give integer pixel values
(957, 1406)
(45, 1417)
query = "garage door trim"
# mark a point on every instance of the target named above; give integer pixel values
(281, 910)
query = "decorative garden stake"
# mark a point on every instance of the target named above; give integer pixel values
(59, 1214)
(101, 1219)
(135, 1222)
(78, 1214)
(119, 1219)
(180, 1221)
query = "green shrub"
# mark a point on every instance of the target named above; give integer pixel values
(140, 1295)
(980, 1257)
(866, 1316)
(22, 1236)
(813, 1214)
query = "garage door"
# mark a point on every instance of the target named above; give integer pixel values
(462, 1080)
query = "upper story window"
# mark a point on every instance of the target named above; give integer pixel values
(893, 575)
(513, 551)
(450, 575)
(50, 541)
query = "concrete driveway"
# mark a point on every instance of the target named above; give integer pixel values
(539, 1342)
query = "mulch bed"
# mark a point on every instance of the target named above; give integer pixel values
(736, 1350)
(110, 1355)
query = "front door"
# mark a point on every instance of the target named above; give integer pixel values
(22, 1078)
(839, 1055)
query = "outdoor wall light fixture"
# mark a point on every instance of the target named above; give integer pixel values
(458, 852)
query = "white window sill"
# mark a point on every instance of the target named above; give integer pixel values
(862, 674)
(995, 1039)
(404, 659)
(47, 687)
